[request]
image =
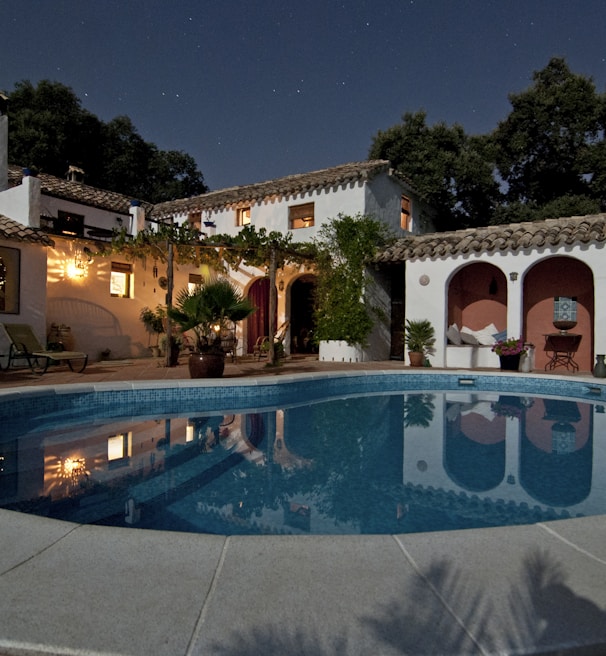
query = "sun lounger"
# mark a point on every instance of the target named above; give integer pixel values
(24, 345)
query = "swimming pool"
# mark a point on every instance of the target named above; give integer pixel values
(306, 454)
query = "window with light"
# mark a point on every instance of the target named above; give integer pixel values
(301, 216)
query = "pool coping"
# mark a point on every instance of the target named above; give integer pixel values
(75, 589)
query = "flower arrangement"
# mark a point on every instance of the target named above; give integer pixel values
(510, 346)
(512, 407)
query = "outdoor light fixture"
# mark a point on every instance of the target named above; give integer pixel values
(281, 285)
(78, 267)
(513, 276)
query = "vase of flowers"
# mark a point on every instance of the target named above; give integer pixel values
(510, 351)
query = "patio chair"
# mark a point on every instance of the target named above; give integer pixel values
(24, 345)
(229, 343)
(261, 347)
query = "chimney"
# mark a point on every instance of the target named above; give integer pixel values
(137, 214)
(3, 142)
(75, 174)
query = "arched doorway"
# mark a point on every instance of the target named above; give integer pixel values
(556, 277)
(257, 324)
(302, 323)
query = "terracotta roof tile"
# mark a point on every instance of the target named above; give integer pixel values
(292, 184)
(78, 192)
(13, 231)
(514, 237)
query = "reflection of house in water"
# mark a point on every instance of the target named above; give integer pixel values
(556, 456)
(386, 463)
(474, 446)
(501, 456)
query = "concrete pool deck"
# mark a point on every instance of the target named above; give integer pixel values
(75, 589)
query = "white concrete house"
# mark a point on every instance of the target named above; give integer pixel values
(50, 226)
(301, 204)
(507, 279)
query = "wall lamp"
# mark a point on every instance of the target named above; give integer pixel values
(513, 276)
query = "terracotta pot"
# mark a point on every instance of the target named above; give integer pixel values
(206, 365)
(416, 358)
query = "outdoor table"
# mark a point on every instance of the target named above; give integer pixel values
(562, 347)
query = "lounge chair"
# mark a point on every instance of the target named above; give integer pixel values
(24, 345)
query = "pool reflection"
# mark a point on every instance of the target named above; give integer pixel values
(378, 464)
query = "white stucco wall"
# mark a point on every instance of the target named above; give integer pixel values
(273, 214)
(430, 300)
(32, 295)
(99, 321)
(93, 216)
(22, 203)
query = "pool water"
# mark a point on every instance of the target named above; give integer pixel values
(379, 463)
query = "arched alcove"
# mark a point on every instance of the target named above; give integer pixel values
(555, 277)
(477, 297)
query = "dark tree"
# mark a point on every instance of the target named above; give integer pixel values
(451, 171)
(549, 145)
(49, 131)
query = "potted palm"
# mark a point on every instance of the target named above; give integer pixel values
(206, 310)
(419, 337)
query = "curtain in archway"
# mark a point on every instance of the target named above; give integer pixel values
(257, 324)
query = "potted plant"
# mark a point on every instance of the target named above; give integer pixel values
(153, 320)
(206, 310)
(419, 337)
(510, 351)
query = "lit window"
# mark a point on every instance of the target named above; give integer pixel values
(243, 216)
(9, 280)
(195, 220)
(406, 214)
(195, 280)
(119, 449)
(121, 280)
(68, 223)
(301, 216)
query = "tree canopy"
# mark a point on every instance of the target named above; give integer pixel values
(49, 131)
(546, 159)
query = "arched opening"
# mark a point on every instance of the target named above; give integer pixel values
(477, 297)
(474, 447)
(556, 277)
(556, 452)
(302, 323)
(257, 324)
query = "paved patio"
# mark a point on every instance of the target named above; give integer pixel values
(75, 589)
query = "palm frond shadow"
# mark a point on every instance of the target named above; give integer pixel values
(443, 611)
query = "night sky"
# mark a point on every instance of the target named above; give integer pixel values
(258, 90)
